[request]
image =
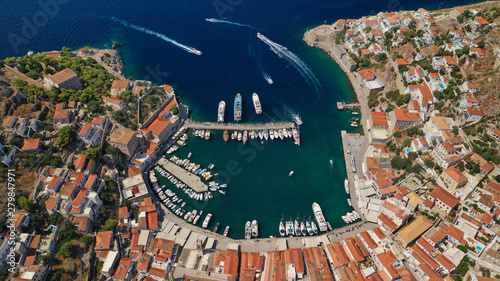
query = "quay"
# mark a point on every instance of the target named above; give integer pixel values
(237, 126)
(190, 179)
(342, 106)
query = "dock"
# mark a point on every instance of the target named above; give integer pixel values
(190, 179)
(238, 126)
(348, 106)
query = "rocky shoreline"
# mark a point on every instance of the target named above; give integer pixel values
(110, 59)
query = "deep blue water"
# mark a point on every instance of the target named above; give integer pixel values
(232, 62)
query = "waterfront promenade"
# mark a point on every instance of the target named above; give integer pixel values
(190, 179)
(238, 126)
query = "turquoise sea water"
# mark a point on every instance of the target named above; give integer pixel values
(232, 62)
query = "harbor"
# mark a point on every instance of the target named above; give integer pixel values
(191, 124)
(190, 179)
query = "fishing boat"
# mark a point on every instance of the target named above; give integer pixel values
(248, 230)
(346, 185)
(226, 135)
(237, 108)
(349, 202)
(207, 135)
(255, 229)
(290, 174)
(245, 137)
(226, 231)
(318, 213)
(282, 229)
(289, 228)
(297, 227)
(256, 103)
(309, 228)
(206, 221)
(222, 109)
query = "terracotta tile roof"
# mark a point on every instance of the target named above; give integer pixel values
(372, 163)
(79, 198)
(338, 254)
(486, 218)
(113, 100)
(90, 181)
(19, 219)
(122, 269)
(157, 272)
(31, 254)
(103, 240)
(123, 212)
(444, 261)
(380, 234)
(133, 171)
(455, 232)
(167, 88)
(158, 126)
(367, 74)
(52, 184)
(387, 221)
(426, 257)
(475, 111)
(147, 205)
(438, 236)
(231, 265)
(365, 52)
(317, 265)
(482, 21)
(445, 197)
(430, 272)
(413, 230)
(376, 32)
(139, 89)
(84, 129)
(82, 222)
(450, 60)
(31, 144)
(389, 189)
(80, 161)
(455, 174)
(402, 61)
(369, 22)
(67, 188)
(152, 220)
(382, 148)
(493, 187)
(97, 120)
(368, 240)
(387, 259)
(425, 244)
(51, 203)
(122, 136)
(63, 76)
(448, 147)
(120, 84)
(379, 118)
(479, 51)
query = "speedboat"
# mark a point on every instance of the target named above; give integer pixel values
(280, 132)
(266, 134)
(222, 109)
(346, 185)
(349, 202)
(226, 231)
(303, 229)
(271, 134)
(282, 229)
(240, 136)
(290, 174)
(314, 228)
(289, 228)
(255, 228)
(355, 113)
(329, 226)
(297, 120)
(207, 135)
(297, 227)
(248, 230)
(309, 228)
(234, 135)
(256, 103)
(245, 137)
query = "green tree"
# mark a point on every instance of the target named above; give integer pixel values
(429, 163)
(93, 152)
(67, 136)
(67, 250)
(174, 109)
(44, 259)
(109, 225)
(26, 203)
(126, 95)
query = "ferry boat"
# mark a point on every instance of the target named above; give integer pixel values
(318, 213)
(245, 137)
(346, 185)
(222, 109)
(309, 228)
(226, 135)
(289, 228)
(256, 103)
(206, 221)
(248, 230)
(255, 229)
(237, 108)
(226, 231)
(282, 229)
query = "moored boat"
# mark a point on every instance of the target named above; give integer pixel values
(248, 230)
(309, 228)
(314, 228)
(303, 229)
(207, 135)
(289, 228)
(297, 227)
(256, 103)
(318, 213)
(240, 136)
(349, 202)
(234, 135)
(221, 111)
(226, 231)
(226, 135)
(245, 137)
(282, 228)
(237, 108)
(346, 185)
(255, 228)
(207, 220)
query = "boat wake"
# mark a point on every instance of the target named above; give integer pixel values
(230, 22)
(159, 35)
(259, 64)
(293, 59)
